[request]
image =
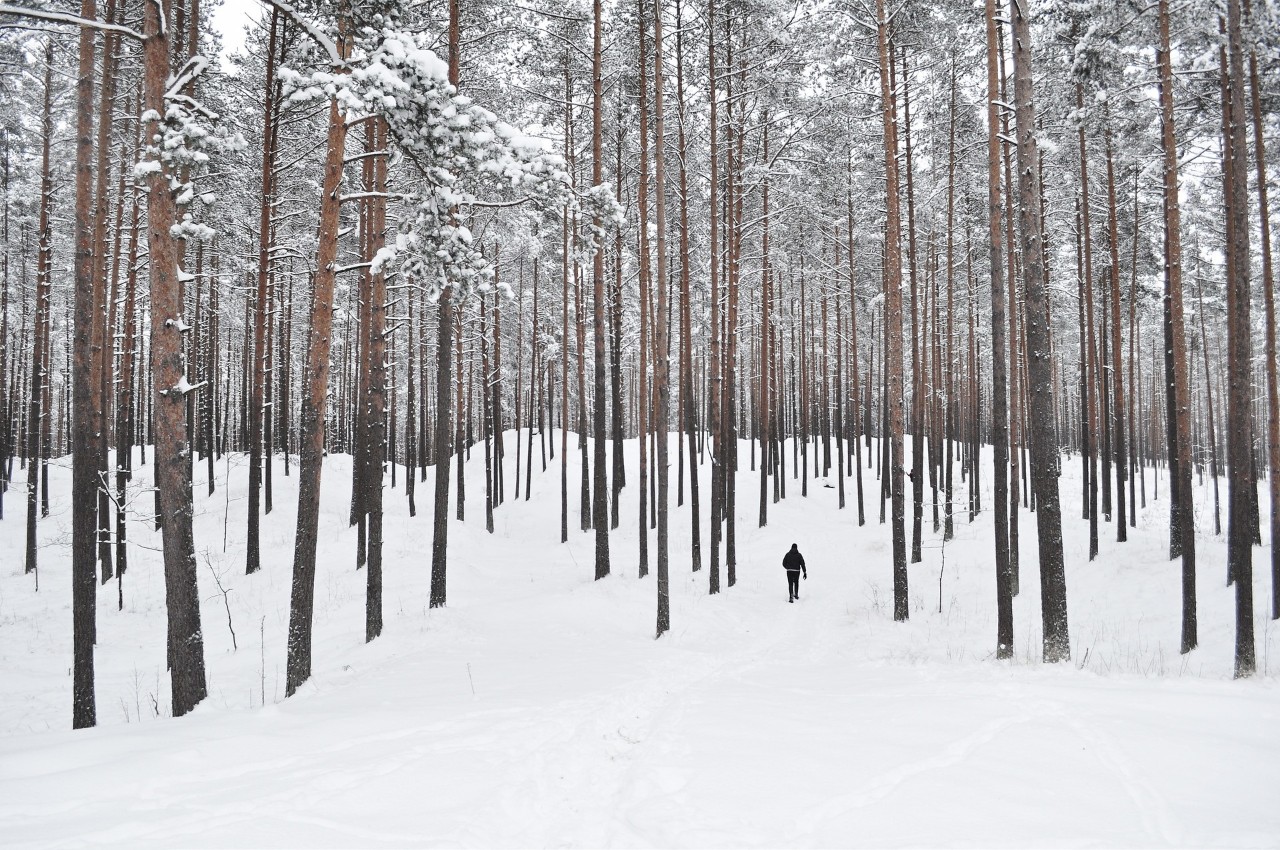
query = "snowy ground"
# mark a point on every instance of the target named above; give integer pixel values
(537, 710)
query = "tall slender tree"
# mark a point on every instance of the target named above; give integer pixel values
(1044, 449)
(600, 507)
(999, 408)
(893, 319)
(1240, 485)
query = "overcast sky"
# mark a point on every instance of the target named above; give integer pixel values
(229, 20)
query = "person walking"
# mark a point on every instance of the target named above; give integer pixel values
(793, 563)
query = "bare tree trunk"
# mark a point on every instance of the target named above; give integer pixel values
(84, 457)
(486, 417)
(495, 391)
(1012, 308)
(893, 321)
(253, 560)
(948, 522)
(1135, 469)
(766, 330)
(663, 362)
(1183, 529)
(853, 352)
(618, 429)
(600, 507)
(917, 338)
(172, 451)
(1117, 374)
(444, 392)
(1239, 355)
(1044, 449)
(688, 415)
(564, 306)
(729, 409)
(312, 419)
(1209, 418)
(102, 364)
(642, 194)
(535, 401)
(40, 318)
(126, 415)
(1268, 289)
(374, 407)
(717, 384)
(999, 409)
(1091, 369)
(412, 341)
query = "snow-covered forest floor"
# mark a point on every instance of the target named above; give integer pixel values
(538, 710)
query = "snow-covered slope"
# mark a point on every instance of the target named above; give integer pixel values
(538, 710)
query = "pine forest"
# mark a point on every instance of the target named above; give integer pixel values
(423, 396)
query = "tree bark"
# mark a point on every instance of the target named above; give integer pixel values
(600, 506)
(1182, 519)
(893, 322)
(316, 383)
(642, 203)
(687, 414)
(374, 407)
(40, 317)
(1117, 373)
(253, 561)
(84, 455)
(716, 382)
(662, 356)
(999, 409)
(172, 451)
(1239, 355)
(1044, 448)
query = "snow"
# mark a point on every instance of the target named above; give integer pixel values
(536, 709)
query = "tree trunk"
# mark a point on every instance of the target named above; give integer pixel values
(1268, 288)
(256, 411)
(1239, 354)
(999, 409)
(84, 456)
(1182, 518)
(40, 317)
(1117, 374)
(375, 405)
(893, 321)
(172, 451)
(642, 195)
(687, 414)
(312, 417)
(102, 364)
(917, 338)
(717, 385)
(1091, 366)
(663, 364)
(1044, 448)
(600, 507)
(948, 521)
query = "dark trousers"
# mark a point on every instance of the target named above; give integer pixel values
(793, 584)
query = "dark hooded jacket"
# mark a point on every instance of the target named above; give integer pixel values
(793, 560)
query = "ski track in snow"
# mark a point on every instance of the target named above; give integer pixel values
(538, 710)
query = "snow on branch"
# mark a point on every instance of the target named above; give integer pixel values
(458, 146)
(317, 35)
(194, 67)
(179, 146)
(68, 18)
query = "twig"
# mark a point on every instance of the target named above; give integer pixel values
(225, 601)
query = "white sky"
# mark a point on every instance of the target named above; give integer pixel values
(230, 19)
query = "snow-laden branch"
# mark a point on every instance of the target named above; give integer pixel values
(68, 19)
(194, 67)
(317, 35)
